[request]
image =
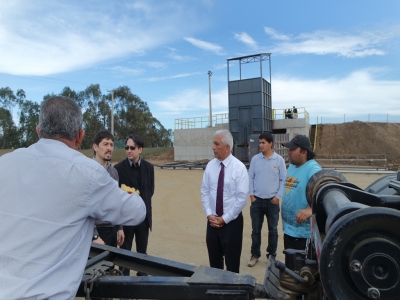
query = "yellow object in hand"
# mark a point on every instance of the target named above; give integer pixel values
(129, 189)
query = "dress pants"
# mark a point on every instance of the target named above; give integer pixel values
(141, 234)
(108, 235)
(225, 242)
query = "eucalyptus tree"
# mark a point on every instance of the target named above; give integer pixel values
(9, 135)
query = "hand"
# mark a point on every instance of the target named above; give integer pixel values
(99, 241)
(216, 222)
(275, 200)
(252, 198)
(303, 214)
(120, 237)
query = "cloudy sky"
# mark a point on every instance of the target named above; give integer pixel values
(333, 58)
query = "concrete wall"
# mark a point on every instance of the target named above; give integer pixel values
(195, 144)
(293, 126)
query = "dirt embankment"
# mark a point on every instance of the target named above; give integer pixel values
(161, 157)
(360, 138)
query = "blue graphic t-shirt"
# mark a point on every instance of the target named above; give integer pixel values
(294, 198)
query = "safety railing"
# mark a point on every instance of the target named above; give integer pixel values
(201, 122)
(287, 113)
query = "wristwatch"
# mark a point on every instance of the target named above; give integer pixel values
(95, 237)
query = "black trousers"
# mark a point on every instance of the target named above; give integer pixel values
(290, 242)
(141, 234)
(225, 242)
(108, 235)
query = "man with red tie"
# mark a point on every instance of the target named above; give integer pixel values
(224, 195)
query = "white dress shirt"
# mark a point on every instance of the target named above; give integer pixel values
(236, 187)
(50, 196)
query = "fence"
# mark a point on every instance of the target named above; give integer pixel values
(201, 122)
(379, 118)
(374, 161)
(287, 113)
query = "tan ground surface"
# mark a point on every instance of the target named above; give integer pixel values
(179, 223)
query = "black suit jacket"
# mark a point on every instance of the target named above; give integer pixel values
(125, 174)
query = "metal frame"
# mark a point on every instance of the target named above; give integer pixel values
(251, 59)
(168, 280)
(184, 165)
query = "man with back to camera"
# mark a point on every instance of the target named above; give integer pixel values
(105, 232)
(137, 173)
(50, 196)
(295, 209)
(224, 195)
(267, 175)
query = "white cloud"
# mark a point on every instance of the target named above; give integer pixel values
(359, 93)
(220, 66)
(246, 39)
(205, 45)
(322, 42)
(48, 37)
(194, 103)
(274, 34)
(181, 58)
(153, 79)
(153, 64)
(120, 70)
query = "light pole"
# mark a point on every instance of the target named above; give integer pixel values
(209, 93)
(112, 111)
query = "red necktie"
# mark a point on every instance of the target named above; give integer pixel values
(220, 192)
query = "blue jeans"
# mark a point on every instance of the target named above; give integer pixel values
(258, 209)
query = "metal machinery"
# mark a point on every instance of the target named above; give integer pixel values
(355, 235)
(355, 238)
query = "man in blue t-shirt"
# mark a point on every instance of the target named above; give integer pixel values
(295, 209)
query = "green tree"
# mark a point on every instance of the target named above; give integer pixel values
(9, 135)
(132, 115)
(28, 120)
(7, 98)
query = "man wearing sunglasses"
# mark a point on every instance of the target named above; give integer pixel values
(137, 173)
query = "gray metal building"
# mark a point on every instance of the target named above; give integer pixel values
(250, 104)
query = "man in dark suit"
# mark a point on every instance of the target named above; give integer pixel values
(137, 173)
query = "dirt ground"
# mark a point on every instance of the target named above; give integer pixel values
(360, 138)
(179, 223)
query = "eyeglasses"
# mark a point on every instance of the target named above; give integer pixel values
(130, 147)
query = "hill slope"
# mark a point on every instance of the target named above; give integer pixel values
(360, 138)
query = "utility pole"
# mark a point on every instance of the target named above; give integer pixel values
(209, 93)
(112, 111)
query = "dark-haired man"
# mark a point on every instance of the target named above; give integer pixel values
(103, 147)
(295, 209)
(267, 175)
(137, 173)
